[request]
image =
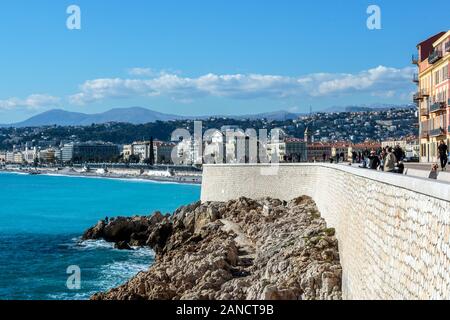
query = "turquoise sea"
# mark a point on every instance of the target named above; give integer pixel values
(42, 218)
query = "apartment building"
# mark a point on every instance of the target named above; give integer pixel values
(317, 151)
(432, 97)
(288, 150)
(163, 152)
(47, 155)
(85, 152)
(127, 151)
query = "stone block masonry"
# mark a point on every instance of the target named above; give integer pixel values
(393, 230)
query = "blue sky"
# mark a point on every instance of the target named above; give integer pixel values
(208, 57)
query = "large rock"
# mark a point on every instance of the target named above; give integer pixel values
(134, 231)
(242, 249)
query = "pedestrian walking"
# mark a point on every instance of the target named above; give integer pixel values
(443, 154)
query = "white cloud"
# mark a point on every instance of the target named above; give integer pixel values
(34, 101)
(141, 72)
(380, 81)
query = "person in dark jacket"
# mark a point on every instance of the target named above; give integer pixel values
(399, 153)
(443, 154)
(374, 161)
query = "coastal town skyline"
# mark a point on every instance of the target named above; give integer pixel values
(82, 74)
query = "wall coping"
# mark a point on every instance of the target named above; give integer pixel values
(429, 187)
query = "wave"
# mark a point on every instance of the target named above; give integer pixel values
(108, 275)
(92, 244)
(138, 252)
(15, 172)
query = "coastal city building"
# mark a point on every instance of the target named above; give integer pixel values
(432, 97)
(163, 152)
(10, 157)
(318, 151)
(141, 150)
(18, 157)
(288, 150)
(127, 152)
(341, 149)
(90, 152)
(47, 156)
(67, 153)
(30, 155)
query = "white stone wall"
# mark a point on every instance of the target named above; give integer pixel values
(393, 230)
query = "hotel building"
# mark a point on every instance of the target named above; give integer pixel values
(432, 97)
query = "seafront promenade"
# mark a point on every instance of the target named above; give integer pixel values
(393, 230)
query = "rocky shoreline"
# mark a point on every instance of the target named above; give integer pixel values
(239, 250)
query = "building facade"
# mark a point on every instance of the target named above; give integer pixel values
(432, 97)
(127, 151)
(318, 151)
(89, 152)
(163, 153)
(67, 153)
(288, 150)
(47, 155)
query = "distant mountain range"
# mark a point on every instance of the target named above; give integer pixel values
(138, 115)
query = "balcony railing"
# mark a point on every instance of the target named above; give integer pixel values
(424, 134)
(437, 132)
(420, 95)
(415, 78)
(447, 46)
(437, 106)
(424, 111)
(435, 56)
(415, 59)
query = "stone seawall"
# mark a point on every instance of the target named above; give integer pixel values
(393, 230)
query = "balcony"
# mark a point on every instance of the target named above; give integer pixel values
(437, 106)
(435, 56)
(415, 59)
(437, 132)
(424, 111)
(415, 78)
(424, 134)
(447, 46)
(421, 95)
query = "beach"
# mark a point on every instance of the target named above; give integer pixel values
(112, 173)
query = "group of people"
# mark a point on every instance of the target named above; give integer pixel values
(391, 159)
(388, 159)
